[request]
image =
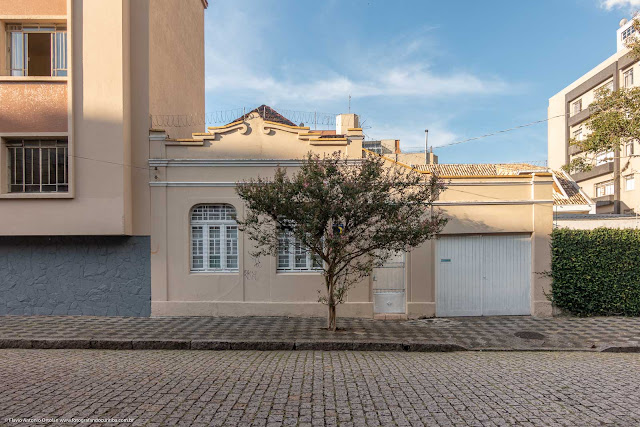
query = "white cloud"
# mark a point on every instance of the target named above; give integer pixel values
(242, 60)
(619, 4)
(409, 81)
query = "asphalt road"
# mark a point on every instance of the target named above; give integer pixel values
(304, 388)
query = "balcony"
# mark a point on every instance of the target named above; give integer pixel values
(603, 200)
(33, 104)
(574, 149)
(594, 172)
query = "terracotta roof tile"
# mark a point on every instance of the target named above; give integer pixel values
(479, 169)
(269, 114)
(574, 195)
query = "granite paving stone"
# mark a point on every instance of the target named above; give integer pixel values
(282, 333)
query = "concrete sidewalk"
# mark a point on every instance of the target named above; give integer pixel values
(282, 333)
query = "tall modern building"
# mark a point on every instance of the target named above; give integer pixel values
(79, 83)
(611, 181)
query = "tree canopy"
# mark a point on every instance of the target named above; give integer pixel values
(351, 214)
(614, 118)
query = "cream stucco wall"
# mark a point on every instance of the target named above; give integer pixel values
(205, 169)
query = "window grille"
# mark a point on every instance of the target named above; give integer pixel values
(38, 166)
(294, 256)
(214, 238)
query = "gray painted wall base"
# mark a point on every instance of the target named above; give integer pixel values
(75, 275)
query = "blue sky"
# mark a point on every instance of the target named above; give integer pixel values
(459, 68)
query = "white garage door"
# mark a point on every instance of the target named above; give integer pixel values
(483, 275)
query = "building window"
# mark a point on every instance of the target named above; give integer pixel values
(627, 32)
(294, 256)
(577, 106)
(577, 134)
(628, 148)
(38, 166)
(609, 86)
(630, 183)
(604, 189)
(604, 158)
(628, 78)
(214, 238)
(375, 146)
(37, 50)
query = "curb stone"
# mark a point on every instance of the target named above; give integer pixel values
(178, 344)
(161, 344)
(630, 349)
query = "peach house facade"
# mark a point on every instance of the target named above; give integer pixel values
(485, 263)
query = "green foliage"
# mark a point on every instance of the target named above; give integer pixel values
(614, 119)
(596, 272)
(380, 207)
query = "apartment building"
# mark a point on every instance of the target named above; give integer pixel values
(78, 84)
(611, 181)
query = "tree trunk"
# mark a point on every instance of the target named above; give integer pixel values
(331, 324)
(331, 320)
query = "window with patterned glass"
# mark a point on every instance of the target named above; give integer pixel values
(214, 238)
(294, 256)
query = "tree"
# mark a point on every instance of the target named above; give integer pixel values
(614, 118)
(351, 214)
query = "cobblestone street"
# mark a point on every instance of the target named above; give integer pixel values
(307, 388)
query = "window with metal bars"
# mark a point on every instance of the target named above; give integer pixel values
(37, 49)
(38, 166)
(294, 256)
(214, 238)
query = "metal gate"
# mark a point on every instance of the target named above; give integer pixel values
(483, 275)
(389, 287)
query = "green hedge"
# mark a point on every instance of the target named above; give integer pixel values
(596, 272)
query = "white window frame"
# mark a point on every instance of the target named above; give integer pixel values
(578, 134)
(629, 148)
(609, 85)
(604, 158)
(292, 250)
(17, 35)
(630, 183)
(576, 106)
(606, 187)
(221, 218)
(628, 77)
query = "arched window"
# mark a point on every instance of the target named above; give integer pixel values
(214, 238)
